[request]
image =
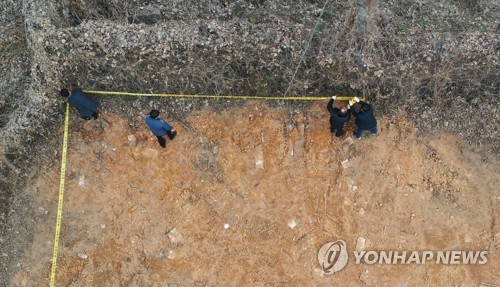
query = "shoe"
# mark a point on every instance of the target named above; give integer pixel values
(171, 137)
(354, 133)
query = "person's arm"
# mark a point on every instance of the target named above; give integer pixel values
(330, 106)
(167, 127)
(353, 111)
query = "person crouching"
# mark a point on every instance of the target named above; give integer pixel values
(338, 117)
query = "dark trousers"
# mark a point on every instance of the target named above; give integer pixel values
(358, 133)
(163, 142)
(338, 133)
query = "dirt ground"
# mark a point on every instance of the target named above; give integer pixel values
(217, 207)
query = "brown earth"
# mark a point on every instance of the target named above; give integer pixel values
(257, 169)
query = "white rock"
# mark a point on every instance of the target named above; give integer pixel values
(292, 223)
(81, 180)
(226, 226)
(352, 185)
(132, 140)
(259, 163)
(172, 255)
(82, 255)
(467, 238)
(360, 243)
(345, 163)
(175, 236)
(259, 157)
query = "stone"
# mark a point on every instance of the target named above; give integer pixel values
(360, 243)
(83, 255)
(81, 180)
(173, 255)
(352, 185)
(467, 238)
(259, 158)
(292, 223)
(348, 141)
(132, 140)
(175, 236)
(345, 163)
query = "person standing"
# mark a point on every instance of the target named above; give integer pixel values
(338, 117)
(160, 128)
(86, 106)
(365, 118)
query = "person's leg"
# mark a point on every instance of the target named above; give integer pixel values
(339, 133)
(171, 135)
(162, 142)
(374, 130)
(358, 133)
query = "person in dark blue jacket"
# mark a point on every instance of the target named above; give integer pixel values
(365, 118)
(85, 105)
(338, 117)
(160, 128)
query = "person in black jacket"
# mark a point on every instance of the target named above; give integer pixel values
(365, 118)
(338, 117)
(86, 106)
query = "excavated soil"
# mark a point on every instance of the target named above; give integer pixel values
(217, 207)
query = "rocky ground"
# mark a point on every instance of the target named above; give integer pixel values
(247, 196)
(434, 62)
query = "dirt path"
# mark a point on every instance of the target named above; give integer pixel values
(217, 207)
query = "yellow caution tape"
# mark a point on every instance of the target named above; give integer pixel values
(61, 195)
(278, 98)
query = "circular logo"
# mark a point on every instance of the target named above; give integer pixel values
(332, 257)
